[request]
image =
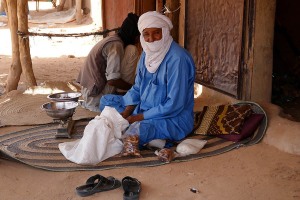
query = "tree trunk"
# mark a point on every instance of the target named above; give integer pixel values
(78, 12)
(15, 69)
(3, 6)
(61, 5)
(24, 43)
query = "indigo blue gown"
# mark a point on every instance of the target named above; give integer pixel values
(166, 97)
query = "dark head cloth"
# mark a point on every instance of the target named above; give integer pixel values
(129, 29)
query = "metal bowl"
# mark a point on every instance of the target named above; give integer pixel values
(65, 96)
(60, 110)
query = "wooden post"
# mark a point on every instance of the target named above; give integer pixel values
(78, 12)
(137, 7)
(15, 69)
(61, 5)
(181, 27)
(24, 43)
(103, 16)
(174, 5)
(159, 5)
(96, 13)
(3, 6)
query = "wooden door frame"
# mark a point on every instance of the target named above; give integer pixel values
(247, 59)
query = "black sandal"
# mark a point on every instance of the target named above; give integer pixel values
(96, 184)
(132, 188)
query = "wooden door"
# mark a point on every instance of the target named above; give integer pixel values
(218, 33)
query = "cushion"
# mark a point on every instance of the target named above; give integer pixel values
(248, 128)
(223, 119)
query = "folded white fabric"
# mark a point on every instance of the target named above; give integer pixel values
(158, 143)
(190, 146)
(100, 140)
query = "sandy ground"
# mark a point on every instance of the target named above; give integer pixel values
(259, 172)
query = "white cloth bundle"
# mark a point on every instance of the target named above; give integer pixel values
(100, 140)
(190, 146)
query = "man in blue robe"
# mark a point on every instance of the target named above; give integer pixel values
(162, 97)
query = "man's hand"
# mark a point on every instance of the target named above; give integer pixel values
(135, 118)
(125, 114)
(128, 111)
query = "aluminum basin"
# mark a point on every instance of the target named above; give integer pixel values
(65, 96)
(60, 110)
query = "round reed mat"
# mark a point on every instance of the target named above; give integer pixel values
(18, 108)
(38, 147)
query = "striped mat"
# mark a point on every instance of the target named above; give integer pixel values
(38, 148)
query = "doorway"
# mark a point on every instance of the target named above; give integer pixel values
(286, 54)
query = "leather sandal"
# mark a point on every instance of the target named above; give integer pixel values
(96, 184)
(132, 188)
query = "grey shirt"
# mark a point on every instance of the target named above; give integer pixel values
(102, 63)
